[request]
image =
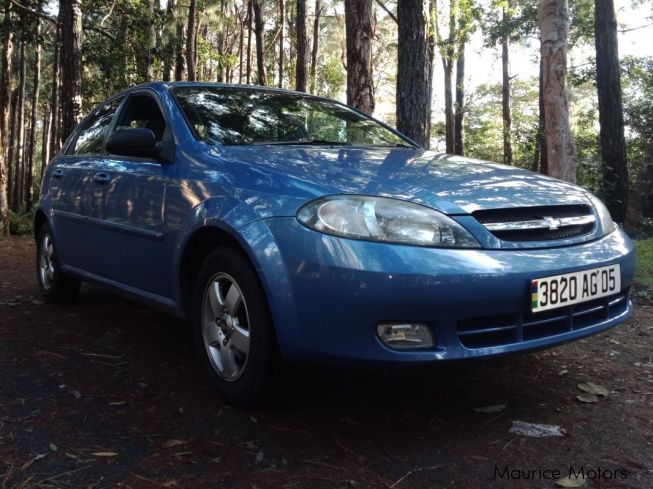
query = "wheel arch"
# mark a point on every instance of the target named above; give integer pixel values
(195, 250)
(39, 220)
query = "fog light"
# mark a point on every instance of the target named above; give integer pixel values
(405, 335)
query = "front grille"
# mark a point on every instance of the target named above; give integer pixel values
(538, 223)
(503, 330)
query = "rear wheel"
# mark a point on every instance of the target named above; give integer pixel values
(54, 284)
(234, 335)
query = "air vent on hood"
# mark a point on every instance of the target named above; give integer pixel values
(538, 223)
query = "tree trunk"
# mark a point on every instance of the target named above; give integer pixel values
(414, 71)
(31, 152)
(169, 54)
(611, 119)
(459, 114)
(5, 96)
(640, 195)
(301, 69)
(360, 25)
(448, 104)
(259, 26)
(316, 43)
(191, 64)
(250, 15)
(540, 154)
(180, 68)
(71, 66)
(55, 140)
(241, 45)
(151, 42)
(505, 94)
(554, 27)
(282, 21)
(45, 143)
(11, 150)
(19, 161)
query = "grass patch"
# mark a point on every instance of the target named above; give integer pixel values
(644, 273)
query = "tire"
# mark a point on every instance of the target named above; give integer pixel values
(56, 287)
(233, 329)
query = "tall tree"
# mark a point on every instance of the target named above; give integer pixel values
(151, 40)
(640, 194)
(301, 70)
(180, 68)
(360, 26)
(451, 25)
(31, 148)
(169, 47)
(71, 65)
(55, 89)
(554, 28)
(505, 91)
(19, 135)
(414, 71)
(282, 12)
(459, 110)
(316, 41)
(608, 84)
(191, 64)
(5, 96)
(259, 32)
(250, 15)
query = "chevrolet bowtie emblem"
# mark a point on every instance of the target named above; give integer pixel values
(552, 222)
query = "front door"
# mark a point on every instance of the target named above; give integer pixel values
(136, 249)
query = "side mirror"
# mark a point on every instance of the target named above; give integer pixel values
(133, 142)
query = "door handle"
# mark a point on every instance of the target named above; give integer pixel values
(102, 178)
(57, 174)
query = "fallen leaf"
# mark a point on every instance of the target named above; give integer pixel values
(571, 481)
(593, 388)
(490, 409)
(536, 430)
(587, 398)
(105, 454)
(29, 463)
(174, 443)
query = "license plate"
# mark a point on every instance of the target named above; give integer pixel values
(572, 288)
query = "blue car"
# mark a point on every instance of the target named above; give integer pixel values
(291, 228)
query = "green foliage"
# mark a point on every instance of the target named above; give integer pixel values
(331, 78)
(484, 122)
(21, 223)
(644, 271)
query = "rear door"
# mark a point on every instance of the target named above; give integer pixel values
(75, 193)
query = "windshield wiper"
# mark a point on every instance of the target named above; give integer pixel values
(298, 142)
(394, 145)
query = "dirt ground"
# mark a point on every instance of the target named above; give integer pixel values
(107, 393)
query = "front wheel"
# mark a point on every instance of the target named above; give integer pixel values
(234, 335)
(56, 287)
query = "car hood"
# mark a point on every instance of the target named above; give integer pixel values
(451, 184)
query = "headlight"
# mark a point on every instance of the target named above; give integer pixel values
(607, 226)
(384, 219)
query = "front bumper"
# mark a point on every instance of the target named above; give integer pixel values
(328, 294)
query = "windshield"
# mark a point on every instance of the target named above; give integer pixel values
(237, 116)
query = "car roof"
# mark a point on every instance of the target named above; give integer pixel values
(238, 86)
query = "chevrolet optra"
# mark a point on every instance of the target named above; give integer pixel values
(289, 227)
